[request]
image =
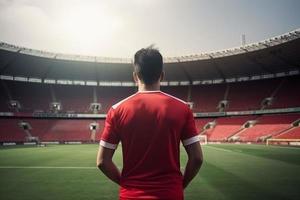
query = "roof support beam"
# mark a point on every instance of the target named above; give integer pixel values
(285, 60)
(220, 72)
(255, 61)
(261, 65)
(48, 70)
(10, 62)
(188, 76)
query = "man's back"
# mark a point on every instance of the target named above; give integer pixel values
(150, 126)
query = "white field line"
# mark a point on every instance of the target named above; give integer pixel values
(220, 149)
(284, 147)
(45, 167)
(55, 167)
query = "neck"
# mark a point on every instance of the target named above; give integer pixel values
(153, 87)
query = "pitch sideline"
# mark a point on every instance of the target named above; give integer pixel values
(45, 167)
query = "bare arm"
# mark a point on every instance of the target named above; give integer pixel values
(195, 159)
(106, 165)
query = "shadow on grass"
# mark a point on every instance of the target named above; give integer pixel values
(290, 156)
(233, 187)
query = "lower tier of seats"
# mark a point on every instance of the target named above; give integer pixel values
(220, 129)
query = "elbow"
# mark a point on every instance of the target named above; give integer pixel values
(100, 163)
(103, 164)
(198, 162)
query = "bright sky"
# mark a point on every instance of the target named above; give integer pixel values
(118, 28)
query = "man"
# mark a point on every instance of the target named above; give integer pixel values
(150, 125)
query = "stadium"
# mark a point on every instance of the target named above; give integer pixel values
(52, 99)
(245, 101)
(59, 98)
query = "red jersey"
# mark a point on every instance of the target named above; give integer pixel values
(150, 126)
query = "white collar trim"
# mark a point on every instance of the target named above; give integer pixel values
(149, 91)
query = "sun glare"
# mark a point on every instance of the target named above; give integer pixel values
(88, 24)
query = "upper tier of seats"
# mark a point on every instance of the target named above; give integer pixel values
(249, 95)
(74, 98)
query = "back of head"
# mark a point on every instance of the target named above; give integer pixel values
(148, 64)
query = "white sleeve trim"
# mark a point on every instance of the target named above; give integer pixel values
(191, 140)
(108, 145)
(120, 102)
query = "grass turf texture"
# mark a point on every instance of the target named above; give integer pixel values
(229, 172)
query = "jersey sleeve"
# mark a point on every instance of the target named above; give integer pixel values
(109, 137)
(189, 134)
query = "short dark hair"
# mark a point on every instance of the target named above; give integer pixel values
(148, 64)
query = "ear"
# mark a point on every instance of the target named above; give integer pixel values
(162, 76)
(135, 77)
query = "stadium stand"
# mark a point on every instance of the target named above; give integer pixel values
(37, 96)
(252, 78)
(32, 96)
(200, 123)
(293, 133)
(268, 126)
(77, 99)
(49, 130)
(3, 98)
(287, 95)
(180, 92)
(10, 131)
(207, 97)
(67, 130)
(249, 95)
(109, 96)
(226, 127)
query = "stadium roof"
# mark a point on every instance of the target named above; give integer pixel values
(278, 55)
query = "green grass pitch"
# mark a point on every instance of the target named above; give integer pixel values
(229, 172)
